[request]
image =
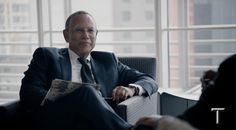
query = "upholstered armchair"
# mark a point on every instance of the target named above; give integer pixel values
(13, 115)
(134, 108)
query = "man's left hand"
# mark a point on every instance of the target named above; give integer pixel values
(122, 93)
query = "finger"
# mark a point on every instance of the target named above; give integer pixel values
(129, 92)
(127, 96)
(115, 93)
(119, 93)
(122, 94)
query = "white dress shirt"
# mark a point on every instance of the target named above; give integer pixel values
(76, 67)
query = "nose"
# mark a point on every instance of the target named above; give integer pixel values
(85, 33)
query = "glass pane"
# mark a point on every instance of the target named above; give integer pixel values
(122, 14)
(54, 16)
(183, 13)
(210, 12)
(112, 12)
(194, 50)
(18, 39)
(199, 53)
(127, 43)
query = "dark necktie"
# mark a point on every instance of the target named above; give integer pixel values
(86, 74)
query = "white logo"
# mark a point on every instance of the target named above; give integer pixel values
(217, 113)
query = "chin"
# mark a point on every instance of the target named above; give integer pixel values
(85, 53)
(85, 50)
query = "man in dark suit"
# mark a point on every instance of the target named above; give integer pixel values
(85, 108)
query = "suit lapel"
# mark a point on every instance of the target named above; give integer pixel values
(98, 73)
(65, 64)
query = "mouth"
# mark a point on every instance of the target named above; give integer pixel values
(85, 43)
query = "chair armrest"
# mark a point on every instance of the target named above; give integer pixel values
(10, 110)
(138, 106)
(14, 116)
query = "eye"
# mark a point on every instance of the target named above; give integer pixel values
(91, 30)
(80, 30)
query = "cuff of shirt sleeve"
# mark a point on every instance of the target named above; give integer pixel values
(141, 90)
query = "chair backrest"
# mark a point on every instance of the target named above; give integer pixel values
(142, 64)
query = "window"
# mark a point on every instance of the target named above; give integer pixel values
(127, 35)
(149, 1)
(16, 19)
(20, 7)
(199, 35)
(194, 35)
(126, 16)
(17, 42)
(1, 8)
(2, 20)
(126, 1)
(149, 15)
(15, 7)
(149, 34)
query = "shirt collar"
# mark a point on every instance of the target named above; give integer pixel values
(74, 56)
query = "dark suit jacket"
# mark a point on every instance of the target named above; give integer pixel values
(50, 63)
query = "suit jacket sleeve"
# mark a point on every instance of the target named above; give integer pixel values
(35, 83)
(128, 75)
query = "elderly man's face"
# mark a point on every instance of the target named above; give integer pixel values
(81, 34)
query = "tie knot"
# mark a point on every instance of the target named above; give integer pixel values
(83, 61)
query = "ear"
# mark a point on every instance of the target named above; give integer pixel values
(66, 35)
